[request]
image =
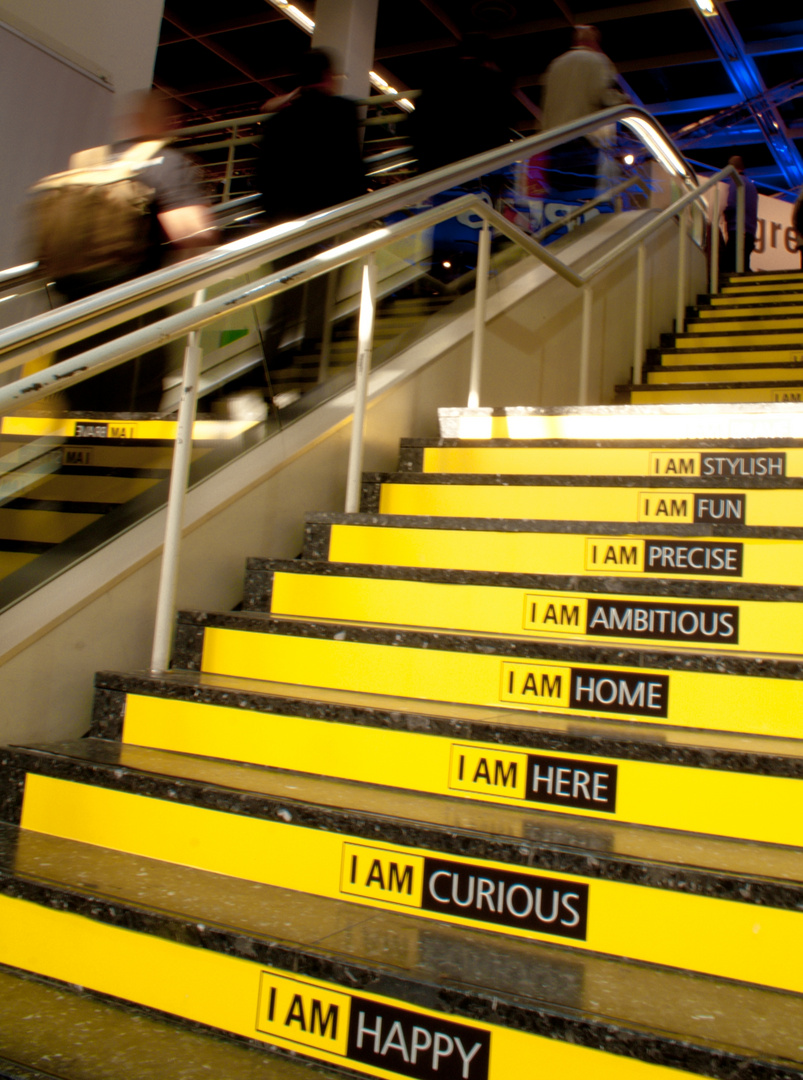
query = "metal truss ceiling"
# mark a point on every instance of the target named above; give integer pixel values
(726, 84)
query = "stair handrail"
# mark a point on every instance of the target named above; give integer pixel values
(44, 334)
(188, 323)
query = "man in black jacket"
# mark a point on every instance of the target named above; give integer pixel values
(309, 159)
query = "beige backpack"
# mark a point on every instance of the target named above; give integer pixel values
(93, 221)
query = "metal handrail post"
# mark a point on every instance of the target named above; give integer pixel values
(715, 236)
(680, 312)
(638, 340)
(229, 166)
(365, 346)
(328, 324)
(740, 226)
(179, 478)
(585, 346)
(480, 313)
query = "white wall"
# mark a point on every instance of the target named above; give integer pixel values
(112, 39)
(60, 66)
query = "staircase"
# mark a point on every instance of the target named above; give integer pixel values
(741, 345)
(70, 480)
(501, 778)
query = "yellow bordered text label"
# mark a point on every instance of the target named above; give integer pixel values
(534, 778)
(698, 558)
(610, 690)
(525, 901)
(692, 507)
(371, 1033)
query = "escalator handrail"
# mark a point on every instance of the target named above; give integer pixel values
(44, 333)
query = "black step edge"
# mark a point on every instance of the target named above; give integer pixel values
(744, 1030)
(521, 839)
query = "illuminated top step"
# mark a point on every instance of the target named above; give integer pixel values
(624, 1019)
(625, 422)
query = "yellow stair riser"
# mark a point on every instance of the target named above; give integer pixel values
(751, 310)
(156, 430)
(590, 618)
(674, 375)
(769, 288)
(757, 561)
(739, 805)
(723, 360)
(680, 506)
(685, 698)
(755, 461)
(42, 526)
(709, 340)
(713, 936)
(254, 1001)
(717, 395)
(736, 354)
(720, 323)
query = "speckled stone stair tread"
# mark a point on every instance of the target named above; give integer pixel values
(681, 614)
(657, 499)
(516, 836)
(644, 774)
(686, 689)
(652, 1014)
(53, 1031)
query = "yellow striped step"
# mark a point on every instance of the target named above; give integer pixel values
(714, 692)
(735, 915)
(696, 457)
(678, 552)
(736, 353)
(758, 278)
(656, 500)
(749, 309)
(740, 338)
(736, 290)
(47, 1025)
(721, 617)
(725, 322)
(742, 787)
(773, 393)
(724, 372)
(279, 970)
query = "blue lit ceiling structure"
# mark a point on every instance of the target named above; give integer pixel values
(749, 86)
(729, 83)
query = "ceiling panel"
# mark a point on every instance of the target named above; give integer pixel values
(224, 60)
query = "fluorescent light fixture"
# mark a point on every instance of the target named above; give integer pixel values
(307, 24)
(384, 87)
(707, 7)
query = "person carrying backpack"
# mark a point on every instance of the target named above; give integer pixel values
(120, 212)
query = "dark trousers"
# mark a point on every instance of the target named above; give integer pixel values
(727, 259)
(136, 385)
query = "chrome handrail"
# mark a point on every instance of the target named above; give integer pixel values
(77, 320)
(45, 333)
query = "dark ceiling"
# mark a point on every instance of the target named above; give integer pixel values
(724, 84)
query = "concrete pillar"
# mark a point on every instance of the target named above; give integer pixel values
(348, 28)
